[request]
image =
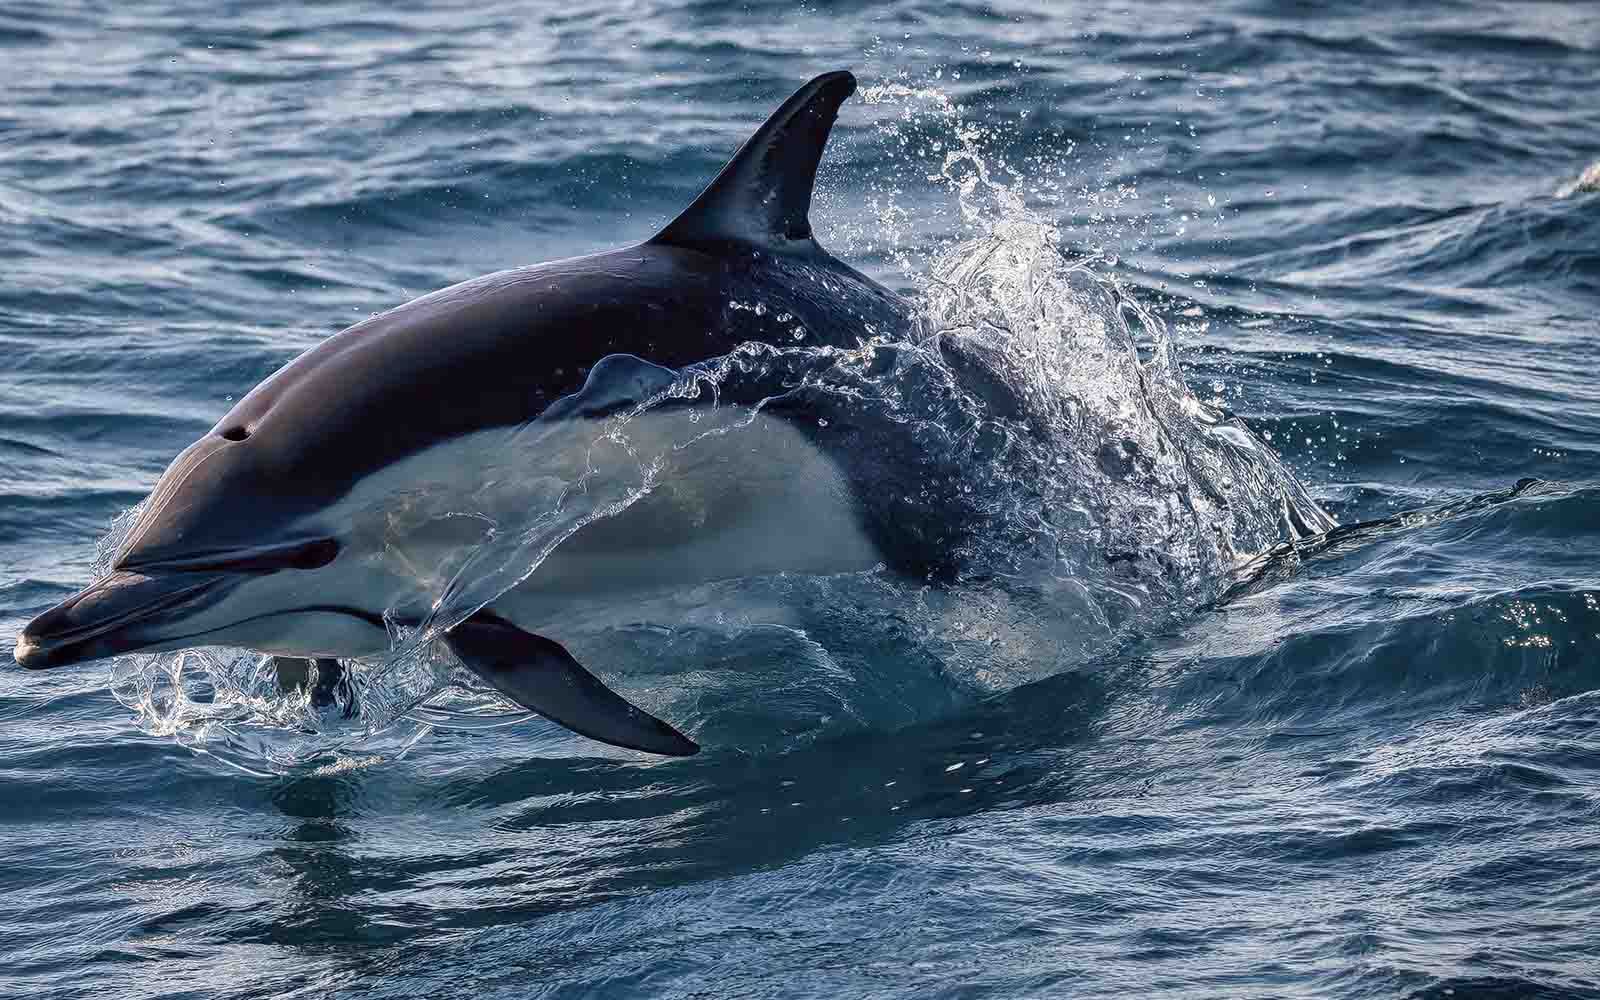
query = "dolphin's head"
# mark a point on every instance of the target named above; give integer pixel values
(194, 570)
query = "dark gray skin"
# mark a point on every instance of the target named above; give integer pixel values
(505, 350)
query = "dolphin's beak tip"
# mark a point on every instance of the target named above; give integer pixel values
(32, 653)
(27, 653)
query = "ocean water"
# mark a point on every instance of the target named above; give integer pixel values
(1346, 261)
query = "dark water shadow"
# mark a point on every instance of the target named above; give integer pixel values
(550, 835)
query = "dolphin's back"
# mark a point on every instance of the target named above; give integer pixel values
(498, 350)
(491, 352)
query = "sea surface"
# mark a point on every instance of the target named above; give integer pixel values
(1188, 751)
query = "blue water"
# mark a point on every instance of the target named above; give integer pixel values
(1369, 771)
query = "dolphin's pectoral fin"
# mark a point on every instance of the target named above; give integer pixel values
(763, 196)
(538, 674)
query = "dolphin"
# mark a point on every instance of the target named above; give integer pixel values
(268, 533)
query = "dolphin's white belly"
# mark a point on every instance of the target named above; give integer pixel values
(758, 500)
(728, 496)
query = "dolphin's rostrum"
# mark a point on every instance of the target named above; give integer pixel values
(259, 534)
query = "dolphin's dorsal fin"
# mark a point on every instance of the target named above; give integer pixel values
(763, 196)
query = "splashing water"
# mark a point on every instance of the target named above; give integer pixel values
(1107, 500)
(1586, 182)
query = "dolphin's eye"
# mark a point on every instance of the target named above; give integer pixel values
(236, 433)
